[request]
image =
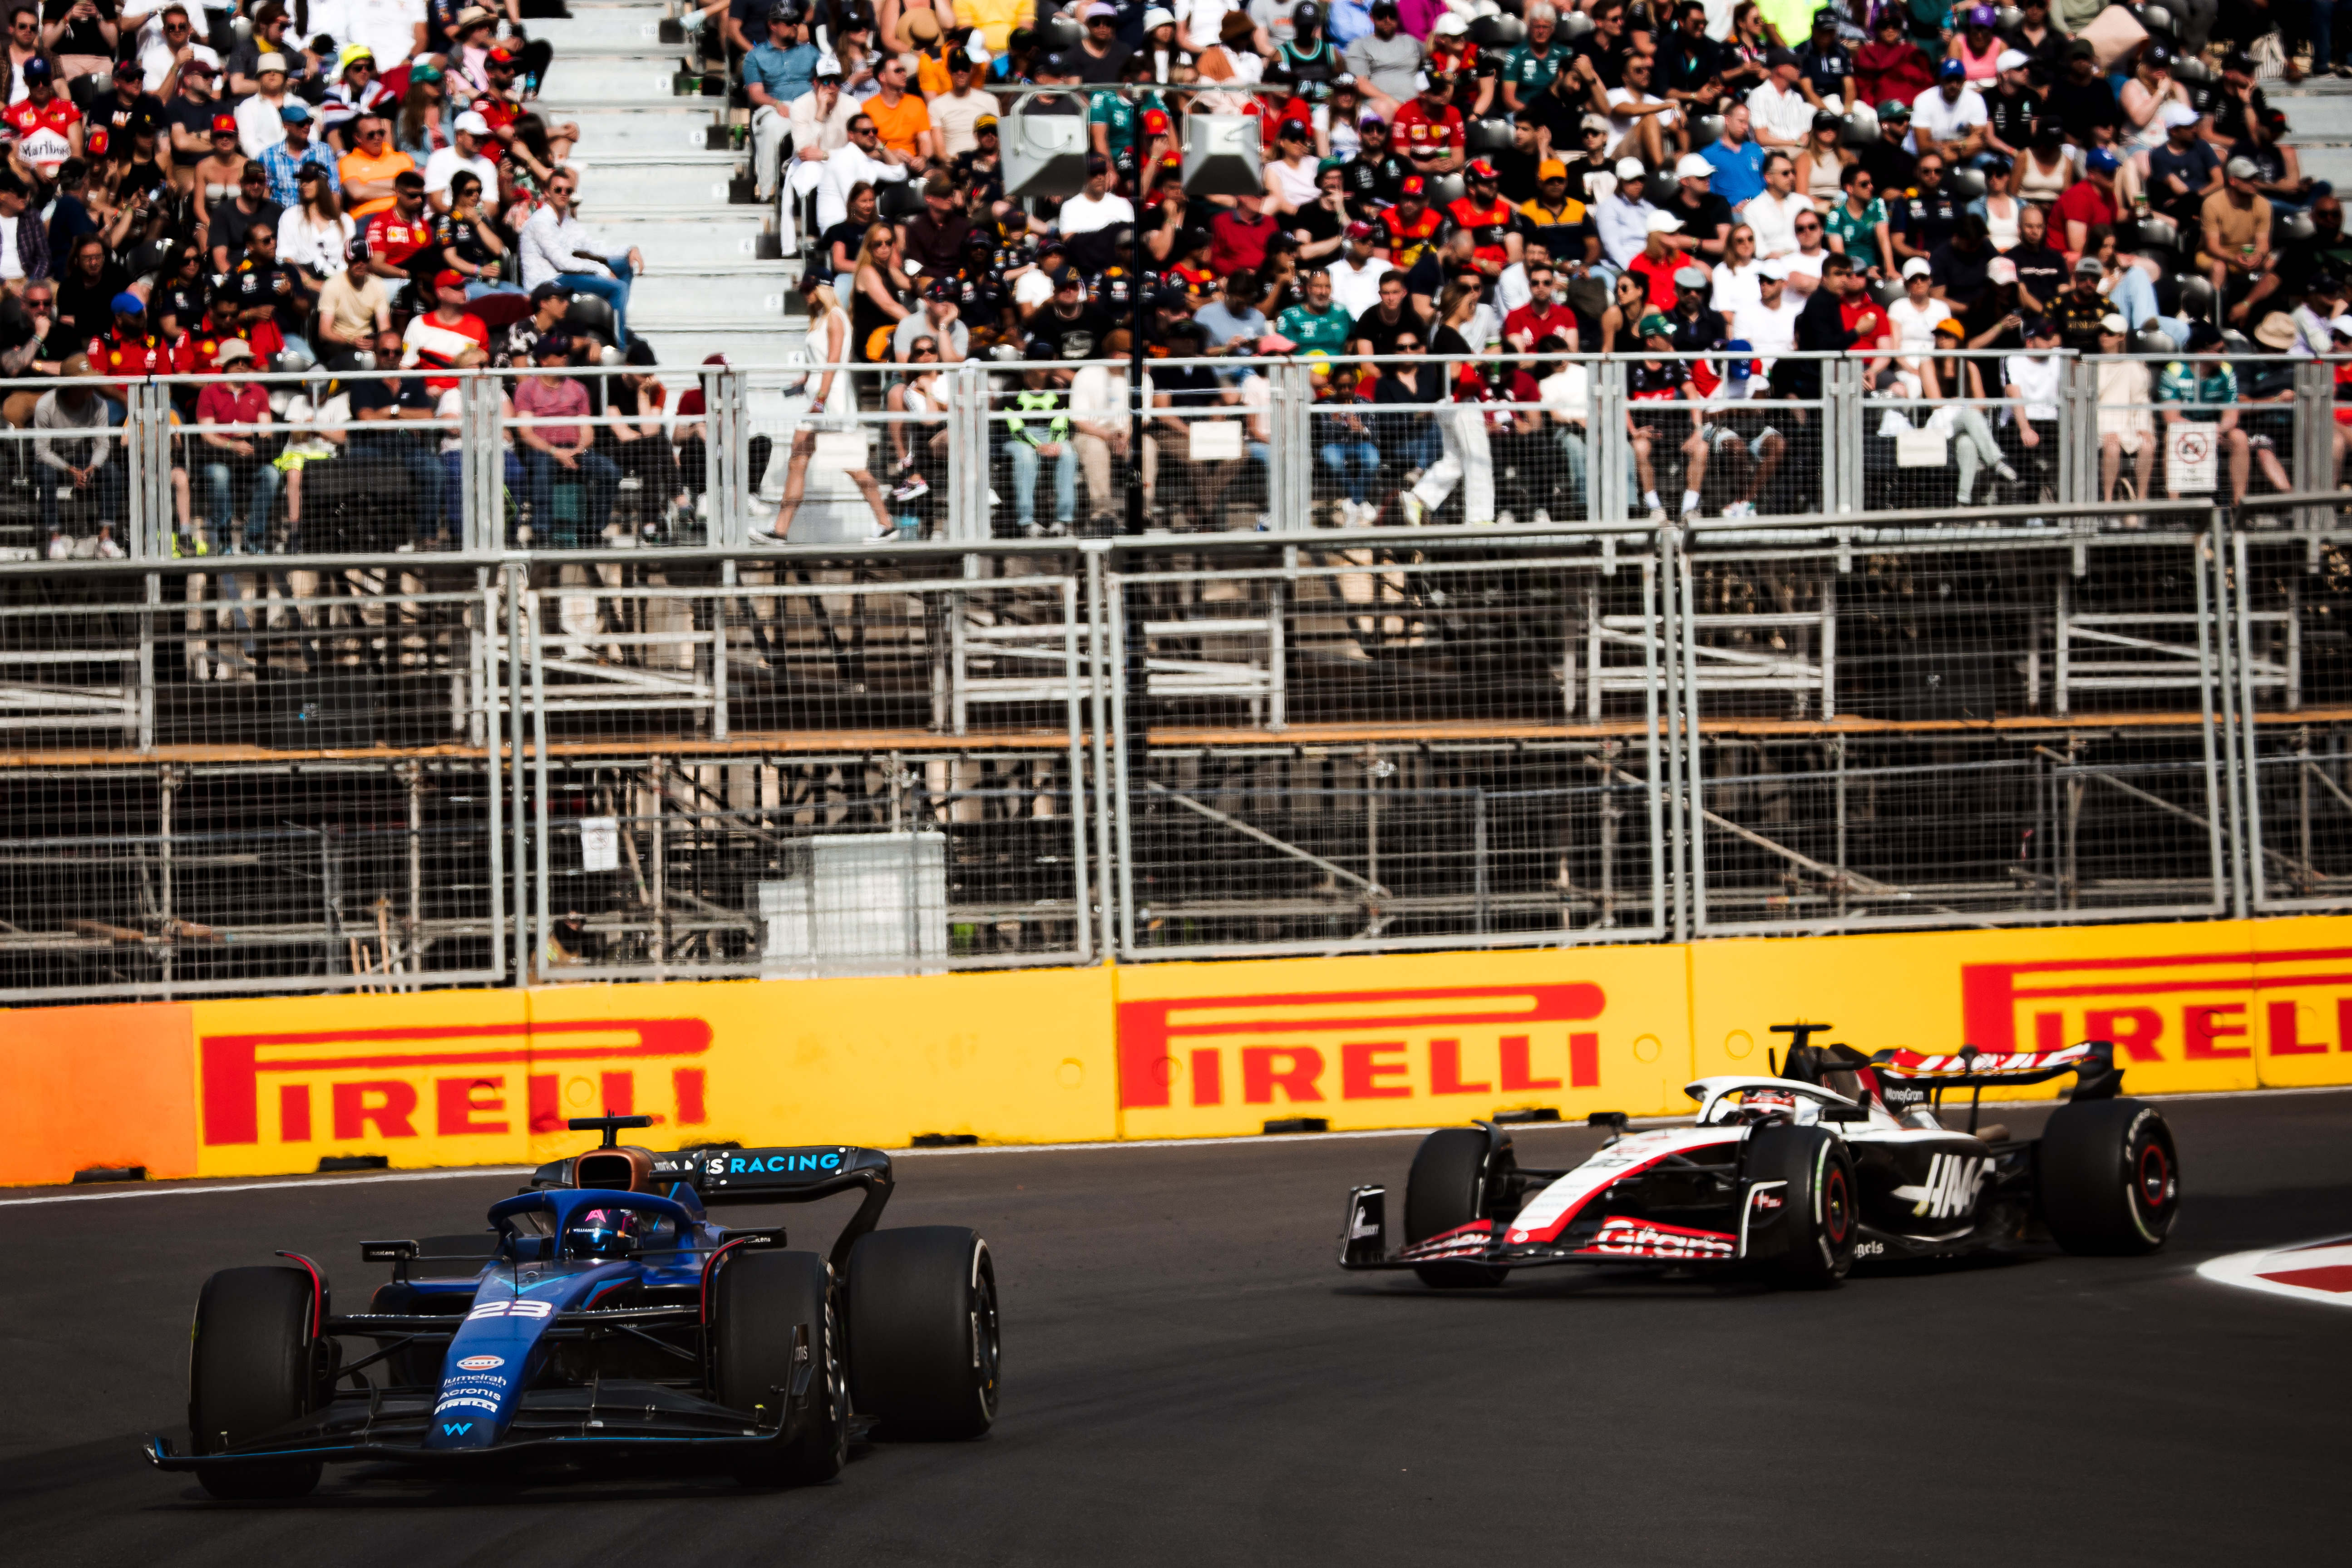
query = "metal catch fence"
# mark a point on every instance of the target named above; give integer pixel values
(293, 771)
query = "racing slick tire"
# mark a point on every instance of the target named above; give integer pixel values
(1451, 1184)
(1819, 1208)
(762, 1301)
(923, 1348)
(252, 1366)
(2109, 1177)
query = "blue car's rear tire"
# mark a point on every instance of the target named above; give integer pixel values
(254, 1365)
(923, 1351)
(762, 1303)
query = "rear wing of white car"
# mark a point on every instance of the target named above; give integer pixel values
(2093, 1063)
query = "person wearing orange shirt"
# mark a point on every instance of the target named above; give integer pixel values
(368, 171)
(899, 118)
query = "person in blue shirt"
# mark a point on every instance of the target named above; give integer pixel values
(1737, 157)
(775, 73)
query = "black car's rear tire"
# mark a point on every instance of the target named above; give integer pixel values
(923, 1348)
(1819, 1204)
(1451, 1184)
(762, 1303)
(2110, 1179)
(254, 1365)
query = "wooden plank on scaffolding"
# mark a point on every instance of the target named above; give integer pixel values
(812, 743)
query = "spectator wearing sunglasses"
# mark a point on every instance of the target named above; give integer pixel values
(369, 170)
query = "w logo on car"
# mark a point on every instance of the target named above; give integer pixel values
(456, 1428)
(1953, 1182)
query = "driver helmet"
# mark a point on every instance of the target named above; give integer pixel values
(1758, 1104)
(602, 1233)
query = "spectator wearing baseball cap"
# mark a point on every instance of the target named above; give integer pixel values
(1659, 260)
(780, 68)
(188, 113)
(299, 150)
(1950, 118)
(1096, 209)
(47, 127)
(1623, 218)
(438, 338)
(132, 111)
(956, 112)
(2012, 107)
(2090, 201)
(1428, 131)
(1707, 218)
(469, 133)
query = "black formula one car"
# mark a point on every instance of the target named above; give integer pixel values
(604, 1316)
(1835, 1158)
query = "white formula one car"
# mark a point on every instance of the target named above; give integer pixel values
(1836, 1157)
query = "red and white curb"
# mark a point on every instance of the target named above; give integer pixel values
(2312, 1271)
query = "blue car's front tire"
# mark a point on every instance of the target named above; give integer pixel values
(254, 1365)
(766, 1306)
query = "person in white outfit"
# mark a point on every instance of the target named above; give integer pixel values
(822, 386)
(1467, 460)
(818, 121)
(862, 161)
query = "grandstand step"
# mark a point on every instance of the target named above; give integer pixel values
(604, 30)
(610, 78)
(682, 241)
(669, 180)
(2333, 164)
(682, 345)
(2325, 119)
(752, 294)
(670, 125)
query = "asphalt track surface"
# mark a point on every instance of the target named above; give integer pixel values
(1189, 1379)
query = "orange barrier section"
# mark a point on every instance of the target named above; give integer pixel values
(1164, 1050)
(96, 1086)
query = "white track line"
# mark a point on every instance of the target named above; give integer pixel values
(179, 1189)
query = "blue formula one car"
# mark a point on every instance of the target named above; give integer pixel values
(604, 1315)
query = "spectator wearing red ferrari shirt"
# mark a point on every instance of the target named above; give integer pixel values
(1238, 238)
(440, 337)
(203, 346)
(131, 351)
(1428, 131)
(1541, 316)
(1493, 222)
(395, 238)
(47, 127)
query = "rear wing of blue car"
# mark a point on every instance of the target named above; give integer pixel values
(725, 1174)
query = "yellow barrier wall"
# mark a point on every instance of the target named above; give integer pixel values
(1160, 1050)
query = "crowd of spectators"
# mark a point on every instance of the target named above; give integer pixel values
(210, 194)
(1961, 198)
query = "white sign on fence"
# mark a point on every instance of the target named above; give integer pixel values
(1216, 441)
(1919, 450)
(600, 844)
(2190, 458)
